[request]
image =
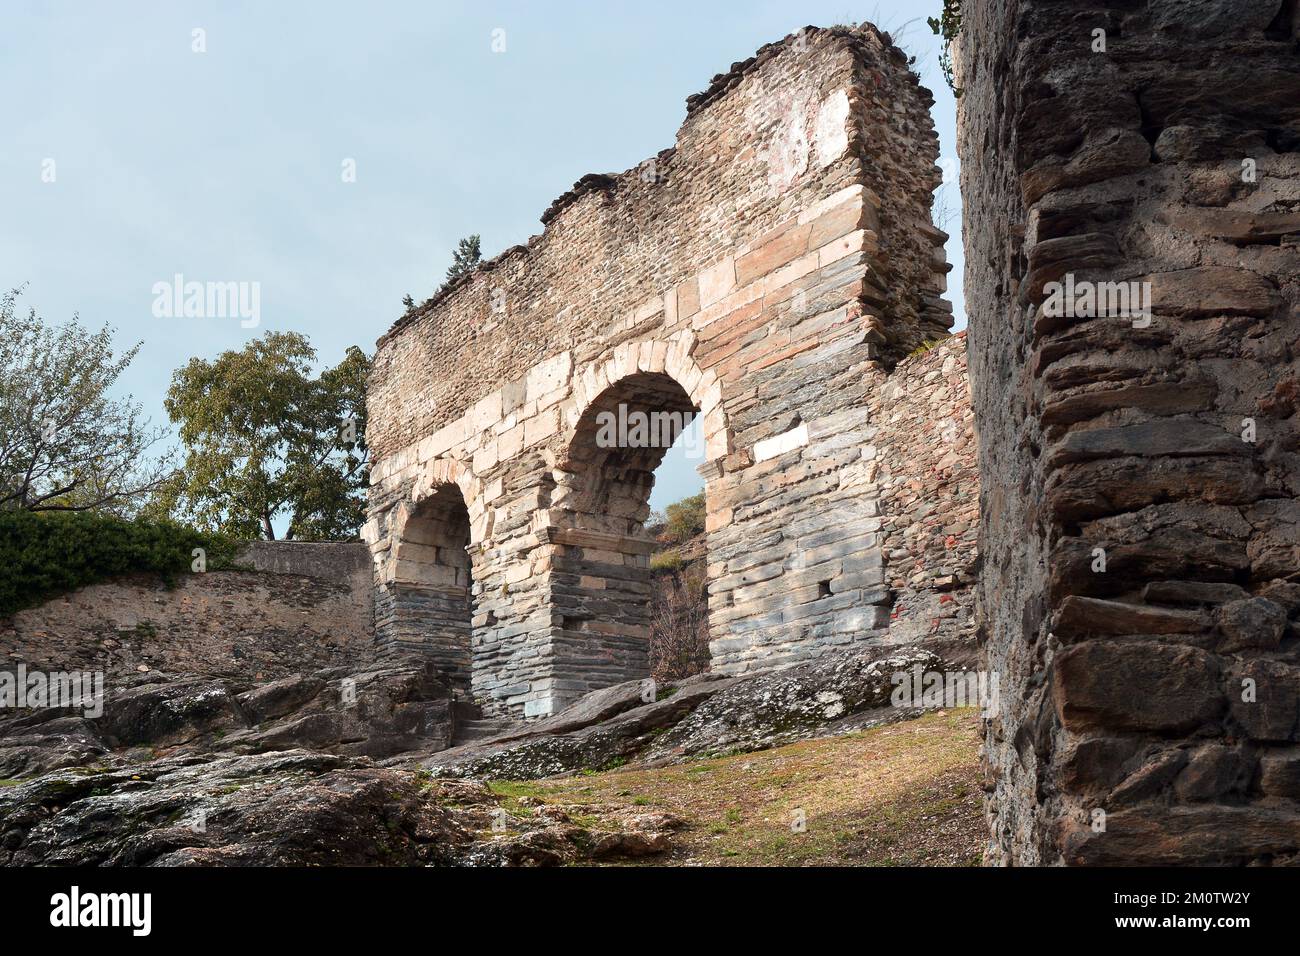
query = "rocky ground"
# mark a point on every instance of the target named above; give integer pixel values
(339, 768)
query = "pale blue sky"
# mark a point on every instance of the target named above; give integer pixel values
(225, 165)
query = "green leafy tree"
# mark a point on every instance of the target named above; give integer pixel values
(685, 519)
(465, 258)
(264, 437)
(65, 444)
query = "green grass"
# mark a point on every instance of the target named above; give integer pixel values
(906, 794)
(512, 790)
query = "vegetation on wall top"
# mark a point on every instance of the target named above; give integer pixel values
(50, 553)
(947, 26)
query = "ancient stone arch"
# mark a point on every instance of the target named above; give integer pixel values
(427, 573)
(769, 272)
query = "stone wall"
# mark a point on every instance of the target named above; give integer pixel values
(1140, 589)
(924, 449)
(766, 272)
(302, 607)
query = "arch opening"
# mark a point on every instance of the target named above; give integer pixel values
(603, 586)
(618, 443)
(432, 582)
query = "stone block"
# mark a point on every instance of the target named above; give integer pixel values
(717, 281)
(790, 243)
(1136, 686)
(1264, 697)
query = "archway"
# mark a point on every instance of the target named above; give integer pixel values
(432, 582)
(601, 577)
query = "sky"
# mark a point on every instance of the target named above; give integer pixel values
(131, 155)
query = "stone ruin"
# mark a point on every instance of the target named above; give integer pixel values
(772, 273)
(1140, 586)
(777, 273)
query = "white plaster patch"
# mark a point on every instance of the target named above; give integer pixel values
(787, 153)
(830, 130)
(780, 444)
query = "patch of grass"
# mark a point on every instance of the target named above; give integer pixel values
(906, 794)
(514, 789)
(9, 783)
(512, 792)
(925, 346)
(670, 560)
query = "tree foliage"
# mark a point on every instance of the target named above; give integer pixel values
(65, 444)
(947, 26)
(684, 519)
(679, 600)
(264, 437)
(465, 258)
(679, 623)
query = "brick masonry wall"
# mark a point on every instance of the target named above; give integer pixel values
(924, 449)
(1149, 704)
(303, 607)
(767, 272)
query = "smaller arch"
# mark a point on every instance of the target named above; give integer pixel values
(429, 576)
(452, 471)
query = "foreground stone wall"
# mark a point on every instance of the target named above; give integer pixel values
(301, 607)
(767, 272)
(1140, 589)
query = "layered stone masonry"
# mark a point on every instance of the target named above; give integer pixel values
(766, 273)
(1140, 590)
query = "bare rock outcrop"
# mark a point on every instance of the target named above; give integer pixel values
(296, 808)
(376, 712)
(703, 715)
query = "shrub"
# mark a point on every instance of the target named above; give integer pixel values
(685, 519)
(48, 553)
(679, 625)
(669, 560)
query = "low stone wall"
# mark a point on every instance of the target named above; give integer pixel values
(302, 606)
